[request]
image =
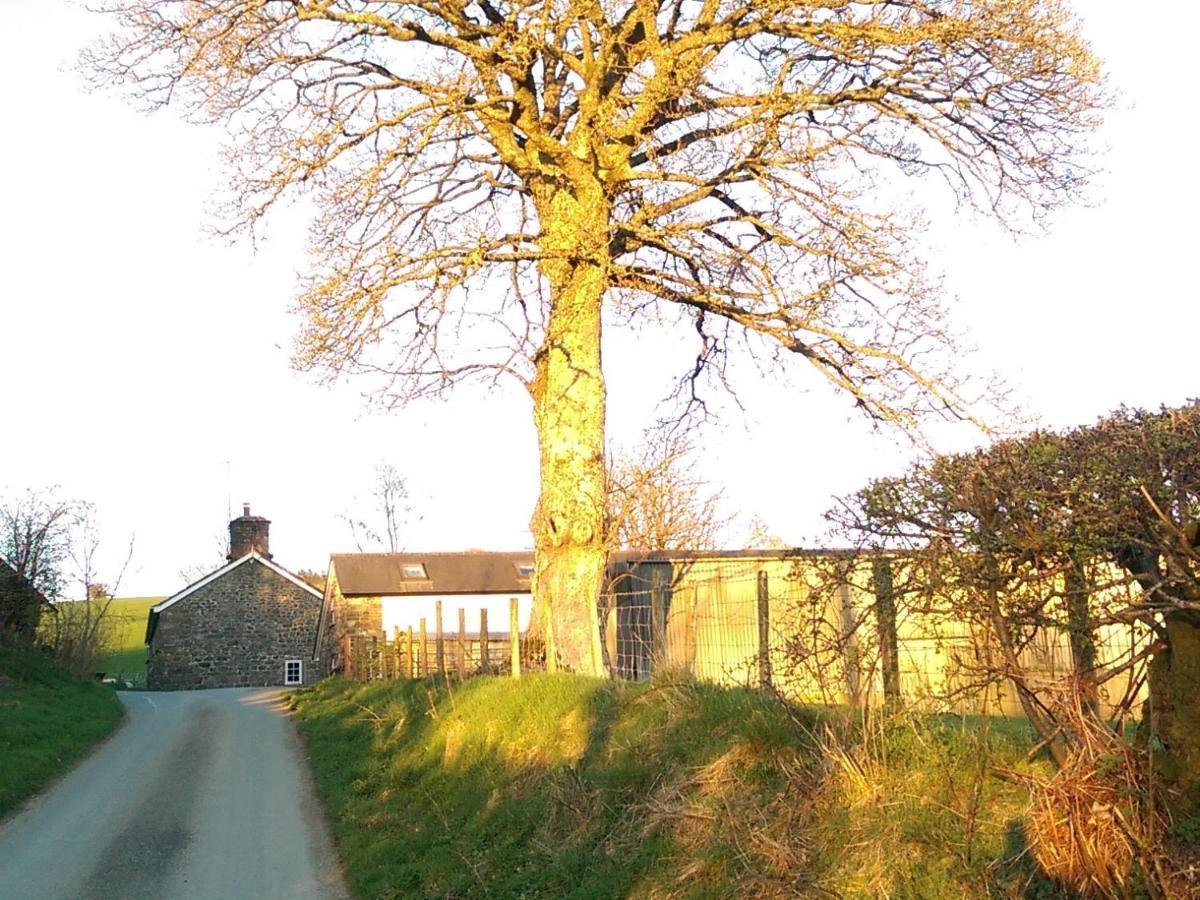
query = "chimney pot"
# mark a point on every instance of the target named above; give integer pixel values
(246, 510)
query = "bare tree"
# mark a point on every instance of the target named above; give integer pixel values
(35, 540)
(656, 501)
(217, 556)
(80, 628)
(490, 175)
(389, 513)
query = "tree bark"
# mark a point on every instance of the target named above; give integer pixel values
(569, 412)
(1083, 639)
(1174, 716)
(1171, 723)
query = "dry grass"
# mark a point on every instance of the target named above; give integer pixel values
(1079, 833)
(1093, 826)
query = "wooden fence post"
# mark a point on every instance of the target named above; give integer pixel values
(408, 652)
(438, 642)
(423, 651)
(396, 648)
(885, 624)
(514, 637)
(347, 665)
(373, 659)
(764, 631)
(461, 650)
(850, 643)
(658, 619)
(485, 661)
(551, 651)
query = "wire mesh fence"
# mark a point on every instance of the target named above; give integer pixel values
(753, 624)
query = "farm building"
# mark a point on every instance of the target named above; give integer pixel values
(375, 595)
(249, 623)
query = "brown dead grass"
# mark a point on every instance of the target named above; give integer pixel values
(1093, 825)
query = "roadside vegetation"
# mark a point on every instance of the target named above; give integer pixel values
(50, 720)
(565, 786)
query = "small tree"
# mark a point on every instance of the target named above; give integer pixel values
(35, 540)
(657, 501)
(80, 629)
(382, 520)
(217, 556)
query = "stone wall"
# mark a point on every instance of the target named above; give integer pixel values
(236, 631)
(355, 616)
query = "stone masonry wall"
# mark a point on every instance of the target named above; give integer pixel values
(354, 616)
(237, 631)
(357, 617)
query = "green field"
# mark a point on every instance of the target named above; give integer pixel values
(49, 720)
(124, 655)
(569, 787)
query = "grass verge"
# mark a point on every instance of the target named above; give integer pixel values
(48, 720)
(562, 786)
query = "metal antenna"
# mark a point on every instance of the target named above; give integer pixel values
(228, 494)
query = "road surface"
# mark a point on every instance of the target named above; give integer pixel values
(200, 795)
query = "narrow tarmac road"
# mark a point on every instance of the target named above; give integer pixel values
(200, 795)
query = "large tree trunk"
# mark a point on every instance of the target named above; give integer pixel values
(569, 410)
(1171, 723)
(1174, 716)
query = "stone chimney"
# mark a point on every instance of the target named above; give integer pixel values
(248, 533)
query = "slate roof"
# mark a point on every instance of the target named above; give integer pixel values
(382, 574)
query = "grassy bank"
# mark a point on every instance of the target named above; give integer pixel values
(48, 720)
(560, 786)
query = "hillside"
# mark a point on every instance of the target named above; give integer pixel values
(124, 655)
(562, 786)
(50, 719)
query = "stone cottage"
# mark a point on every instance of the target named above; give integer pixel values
(249, 623)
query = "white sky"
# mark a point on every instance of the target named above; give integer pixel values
(138, 356)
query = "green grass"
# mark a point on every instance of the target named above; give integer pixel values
(48, 720)
(562, 786)
(124, 655)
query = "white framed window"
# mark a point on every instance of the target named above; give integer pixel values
(293, 672)
(413, 570)
(525, 569)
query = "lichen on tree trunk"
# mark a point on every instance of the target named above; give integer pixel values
(569, 412)
(1174, 717)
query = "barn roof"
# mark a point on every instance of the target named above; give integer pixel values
(378, 574)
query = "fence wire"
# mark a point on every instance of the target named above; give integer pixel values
(747, 625)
